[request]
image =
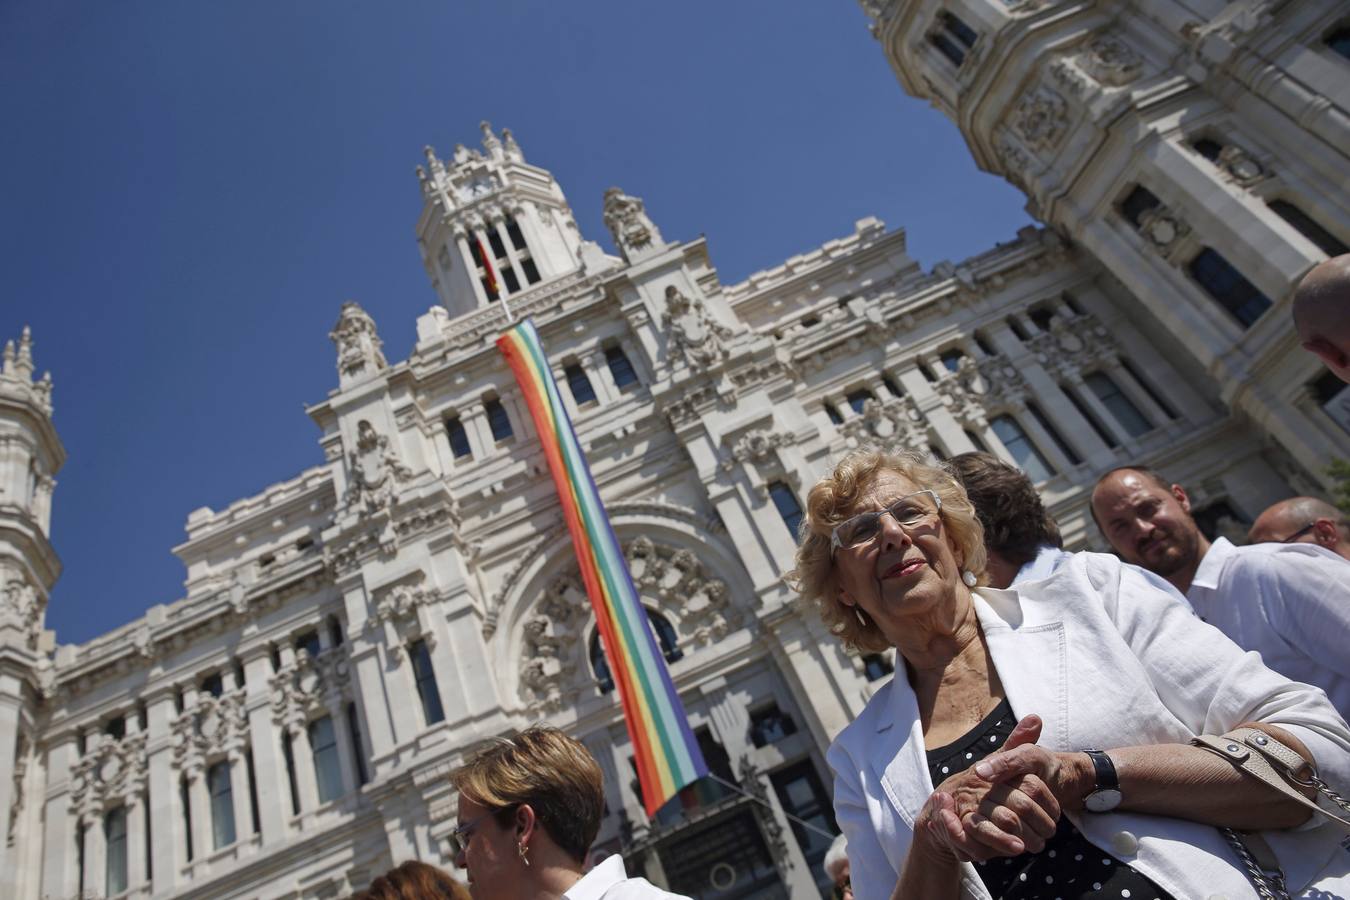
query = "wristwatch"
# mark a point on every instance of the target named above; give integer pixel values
(1106, 795)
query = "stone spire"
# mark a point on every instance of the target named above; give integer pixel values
(30, 456)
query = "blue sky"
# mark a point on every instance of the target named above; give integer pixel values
(189, 190)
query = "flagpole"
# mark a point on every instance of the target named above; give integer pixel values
(764, 803)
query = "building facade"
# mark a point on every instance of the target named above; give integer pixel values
(346, 636)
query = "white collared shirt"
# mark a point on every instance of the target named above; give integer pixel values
(609, 880)
(1288, 602)
(1049, 559)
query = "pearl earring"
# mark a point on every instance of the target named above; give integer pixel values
(969, 578)
(861, 621)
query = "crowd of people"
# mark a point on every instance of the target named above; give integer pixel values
(1163, 723)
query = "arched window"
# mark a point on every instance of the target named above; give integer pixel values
(425, 676)
(666, 639)
(498, 420)
(620, 368)
(459, 438)
(222, 804)
(580, 384)
(858, 397)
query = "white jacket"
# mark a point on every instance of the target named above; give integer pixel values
(1106, 660)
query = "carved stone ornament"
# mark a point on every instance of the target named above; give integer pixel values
(16, 374)
(554, 647)
(1073, 345)
(213, 727)
(769, 825)
(962, 392)
(893, 424)
(358, 344)
(1041, 117)
(21, 606)
(111, 773)
(375, 472)
(402, 601)
(310, 686)
(633, 230)
(1163, 228)
(22, 751)
(1015, 161)
(1110, 61)
(677, 579)
(693, 337)
(1238, 164)
(1004, 385)
(756, 447)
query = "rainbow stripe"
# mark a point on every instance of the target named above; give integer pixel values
(667, 755)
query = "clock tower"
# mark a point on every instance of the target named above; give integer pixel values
(492, 225)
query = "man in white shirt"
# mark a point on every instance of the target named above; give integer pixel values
(609, 881)
(1289, 602)
(1321, 310)
(1021, 537)
(1303, 520)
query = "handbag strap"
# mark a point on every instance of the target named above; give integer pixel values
(1266, 759)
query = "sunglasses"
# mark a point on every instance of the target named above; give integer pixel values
(459, 838)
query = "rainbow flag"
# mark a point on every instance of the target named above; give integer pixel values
(667, 755)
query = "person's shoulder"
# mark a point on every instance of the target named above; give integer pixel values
(856, 733)
(639, 889)
(1278, 558)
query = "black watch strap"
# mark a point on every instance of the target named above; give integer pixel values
(1107, 780)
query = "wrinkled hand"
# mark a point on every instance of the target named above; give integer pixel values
(1002, 806)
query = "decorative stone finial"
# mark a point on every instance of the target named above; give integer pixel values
(23, 365)
(635, 235)
(358, 344)
(490, 142)
(16, 373)
(513, 150)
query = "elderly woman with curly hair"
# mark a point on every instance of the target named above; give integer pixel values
(1035, 742)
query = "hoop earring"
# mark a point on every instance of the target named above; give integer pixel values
(523, 858)
(858, 613)
(969, 578)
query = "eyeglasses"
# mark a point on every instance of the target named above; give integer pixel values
(459, 838)
(909, 512)
(1300, 533)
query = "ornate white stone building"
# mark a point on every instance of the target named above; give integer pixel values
(347, 635)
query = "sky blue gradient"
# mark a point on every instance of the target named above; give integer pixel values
(189, 190)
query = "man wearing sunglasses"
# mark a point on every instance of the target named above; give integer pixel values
(1303, 520)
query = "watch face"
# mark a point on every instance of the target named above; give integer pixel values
(1103, 800)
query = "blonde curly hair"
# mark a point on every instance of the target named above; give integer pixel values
(833, 500)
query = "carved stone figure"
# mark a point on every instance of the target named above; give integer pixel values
(756, 447)
(1003, 383)
(1239, 164)
(375, 471)
(212, 728)
(1110, 61)
(111, 773)
(1074, 344)
(310, 686)
(693, 336)
(1041, 117)
(22, 607)
(633, 230)
(553, 646)
(892, 423)
(401, 601)
(962, 392)
(358, 344)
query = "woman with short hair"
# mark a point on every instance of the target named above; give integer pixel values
(529, 809)
(975, 772)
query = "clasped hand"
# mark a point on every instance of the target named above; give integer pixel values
(1004, 805)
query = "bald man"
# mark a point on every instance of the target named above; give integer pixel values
(1303, 520)
(1322, 314)
(1289, 602)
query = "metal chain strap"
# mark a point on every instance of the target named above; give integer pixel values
(1326, 791)
(1269, 885)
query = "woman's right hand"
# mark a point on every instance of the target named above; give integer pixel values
(971, 819)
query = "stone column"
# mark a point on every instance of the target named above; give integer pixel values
(136, 874)
(472, 269)
(60, 871)
(949, 431)
(168, 841)
(304, 769)
(203, 835)
(10, 706)
(1138, 396)
(512, 259)
(1088, 397)
(95, 856)
(401, 682)
(239, 794)
(269, 767)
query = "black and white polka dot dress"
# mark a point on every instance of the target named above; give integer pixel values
(1070, 867)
